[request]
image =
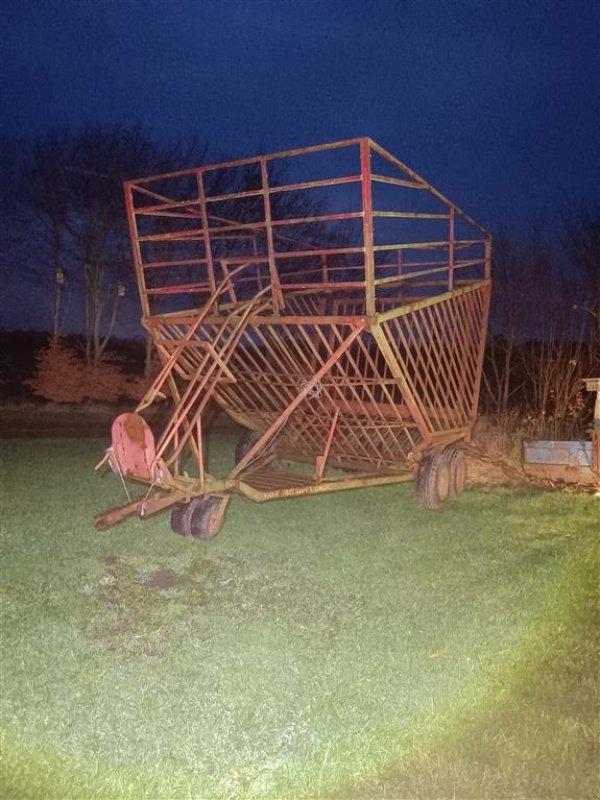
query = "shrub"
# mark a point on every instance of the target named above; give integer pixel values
(62, 376)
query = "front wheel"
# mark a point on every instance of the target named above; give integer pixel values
(201, 518)
(180, 519)
(206, 518)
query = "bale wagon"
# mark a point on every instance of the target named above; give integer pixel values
(331, 302)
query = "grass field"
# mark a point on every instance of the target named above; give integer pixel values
(348, 645)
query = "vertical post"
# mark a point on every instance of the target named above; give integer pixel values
(596, 431)
(256, 264)
(488, 258)
(593, 385)
(200, 450)
(451, 248)
(275, 286)
(176, 446)
(135, 249)
(205, 233)
(400, 289)
(367, 210)
(486, 294)
(321, 460)
(324, 270)
(230, 288)
(399, 262)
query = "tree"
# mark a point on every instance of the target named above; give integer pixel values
(47, 190)
(522, 288)
(73, 186)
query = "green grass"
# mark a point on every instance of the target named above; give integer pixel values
(348, 644)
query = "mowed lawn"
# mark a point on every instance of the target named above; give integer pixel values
(349, 645)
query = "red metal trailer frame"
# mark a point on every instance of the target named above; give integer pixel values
(329, 300)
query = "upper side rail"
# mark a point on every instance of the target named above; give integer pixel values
(300, 229)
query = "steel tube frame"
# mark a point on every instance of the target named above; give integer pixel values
(398, 371)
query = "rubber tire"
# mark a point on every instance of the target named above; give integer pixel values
(433, 481)
(198, 519)
(457, 462)
(205, 518)
(180, 519)
(246, 442)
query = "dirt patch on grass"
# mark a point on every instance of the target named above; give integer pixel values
(137, 613)
(140, 613)
(162, 579)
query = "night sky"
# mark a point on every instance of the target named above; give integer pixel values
(496, 103)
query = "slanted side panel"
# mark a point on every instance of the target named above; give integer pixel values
(439, 346)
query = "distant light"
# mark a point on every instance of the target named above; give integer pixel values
(60, 276)
(120, 289)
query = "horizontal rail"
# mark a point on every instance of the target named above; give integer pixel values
(408, 275)
(184, 288)
(181, 236)
(409, 215)
(427, 245)
(185, 235)
(292, 187)
(288, 187)
(184, 262)
(324, 286)
(241, 162)
(397, 182)
(439, 298)
(270, 491)
(322, 218)
(171, 214)
(168, 206)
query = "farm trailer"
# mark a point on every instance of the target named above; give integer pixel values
(327, 299)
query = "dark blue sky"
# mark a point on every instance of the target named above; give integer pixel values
(496, 103)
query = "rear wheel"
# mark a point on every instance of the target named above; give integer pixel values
(433, 481)
(458, 469)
